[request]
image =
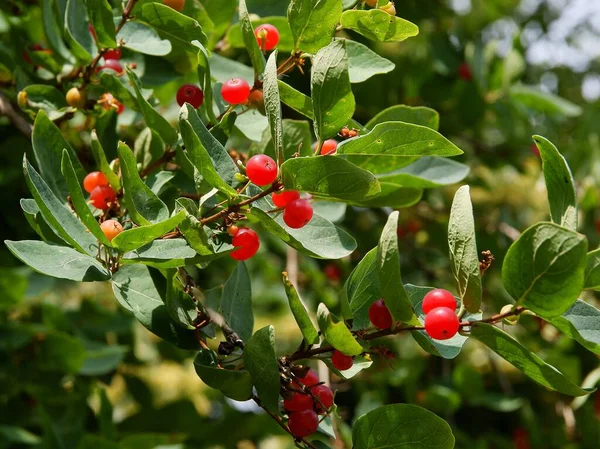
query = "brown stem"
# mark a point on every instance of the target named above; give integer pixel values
(166, 157)
(7, 109)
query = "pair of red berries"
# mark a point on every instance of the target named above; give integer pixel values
(267, 36)
(189, 93)
(245, 240)
(101, 194)
(303, 408)
(297, 212)
(329, 147)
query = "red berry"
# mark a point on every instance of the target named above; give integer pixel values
(282, 199)
(401, 232)
(297, 214)
(441, 323)
(413, 226)
(325, 396)
(188, 93)
(261, 170)
(341, 361)
(329, 147)
(464, 71)
(177, 5)
(235, 91)
(438, 298)
(332, 272)
(102, 196)
(379, 315)
(93, 180)
(597, 225)
(111, 228)
(535, 150)
(267, 36)
(110, 64)
(247, 242)
(310, 379)
(303, 424)
(113, 54)
(232, 230)
(298, 402)
(521, 439)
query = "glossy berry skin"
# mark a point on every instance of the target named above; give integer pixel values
(297, 214)
(464, 72)
(282, 199)
(329, 147)
(111, 228)
(115, 53)
(102, 197)
(261, 170)
(379, 315)
(303, 424)
(177, 5)
(298, 402)
(75, 98)
(93, 180)
(341, 361)
(325, 396)
(310, 379)
(438, 298)
(441, 323)
(188, 93)
(110, 64)
(256, 100)
(267, 36)
(235, 91)
(232, 230)
(247, 242)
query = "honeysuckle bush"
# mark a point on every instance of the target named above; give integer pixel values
(181, 185)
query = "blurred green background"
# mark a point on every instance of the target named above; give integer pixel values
(76, 368)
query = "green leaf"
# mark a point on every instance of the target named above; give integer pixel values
(102, 162)
(138, 36)
(378, 25)
(120, 88)
(256, 56)
(310, 334)
(297, 139)
(333, 101)
(363, 63)
(464, 258)
(399, 139)
(221, 69)
(48, 145)
(167, 253)
(76, 31)
(196, 237)
(447, 349)
(36, 221)
(592, 270)
(329, 177)
(417, 115)
(296, 100)
(427, 172)
(181, 307)
(51, 438)
(286, 41)
(336, 332)
(191, 127)
(391, 195)
(180, 29)
(141, 291)
(401, 426)
(516, 354)
(57, 215)
(101, 17)
(559, 183)
(360, 363)
(236, 302)
(582, 323)
(313, 23)
(390, 280)
(58, 261)
(96, 442)
(205, 79)
(78, 200)
(362, 289)
(144, 206)
(261, 362)
(45, 98)
(60, 352)
(544, 102)
(18, 435)
(153, 118)
(544, 269)
(320, 238)
(273, 106)
(53, 28)
(141, 235)
(102, 359)
(235, 384)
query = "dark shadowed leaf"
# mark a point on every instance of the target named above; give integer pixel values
(582, 323)
(261, 362)
(101, 17)
(235, 384)
(236, 302)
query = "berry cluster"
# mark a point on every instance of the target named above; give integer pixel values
(245, 240)
(102, 196)
(303, 405)
(297, 212)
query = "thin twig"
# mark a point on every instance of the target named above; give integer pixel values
(7, 109)
(166, 157)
